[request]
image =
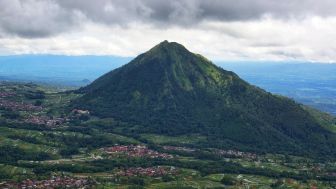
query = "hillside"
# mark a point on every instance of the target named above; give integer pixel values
(171, 91)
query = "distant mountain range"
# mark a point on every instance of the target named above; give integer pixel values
(57, 69)
(313, 84)
(172, 91)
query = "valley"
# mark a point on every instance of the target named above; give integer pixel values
(78, 148)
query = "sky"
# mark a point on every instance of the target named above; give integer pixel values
(219, 29)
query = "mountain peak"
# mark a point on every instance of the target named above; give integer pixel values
(164, 42)
(168, 44)
(166, 47)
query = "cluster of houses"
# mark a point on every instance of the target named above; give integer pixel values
(15, 106)
(54, 182)
(18, 106)
(136, 151)
(149, 171)
(54, 121)
(5, 94)
(45, 120)
(9, 104)
(179, 148)
(22, 106)
(236, 154)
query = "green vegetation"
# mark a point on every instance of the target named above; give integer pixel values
(188, 125)
(171, 140)
(75, 148)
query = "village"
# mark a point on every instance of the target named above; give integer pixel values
(45, 120)
(5, 94)
(136, 151)
(34, 114)
(6, 102)
(18, 106)
(53, 182)
(31, 113)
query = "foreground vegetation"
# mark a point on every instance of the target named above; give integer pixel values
(42, 141)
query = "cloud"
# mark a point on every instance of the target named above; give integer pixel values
(186, 12)
(42, 18)
(219, 29)
(313, 39)
(35, 18)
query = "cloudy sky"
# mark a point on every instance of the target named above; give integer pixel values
(218, 29)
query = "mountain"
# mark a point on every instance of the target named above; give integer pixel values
(172, 91)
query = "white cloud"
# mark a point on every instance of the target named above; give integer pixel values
(225, 30)
(36, 18)
(312, 38)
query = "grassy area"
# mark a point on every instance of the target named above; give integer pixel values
(25, 146)
(180, 140)
(14, 171)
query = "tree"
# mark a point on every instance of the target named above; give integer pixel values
(228, 180)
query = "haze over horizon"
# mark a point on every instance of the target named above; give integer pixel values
(220, 30)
